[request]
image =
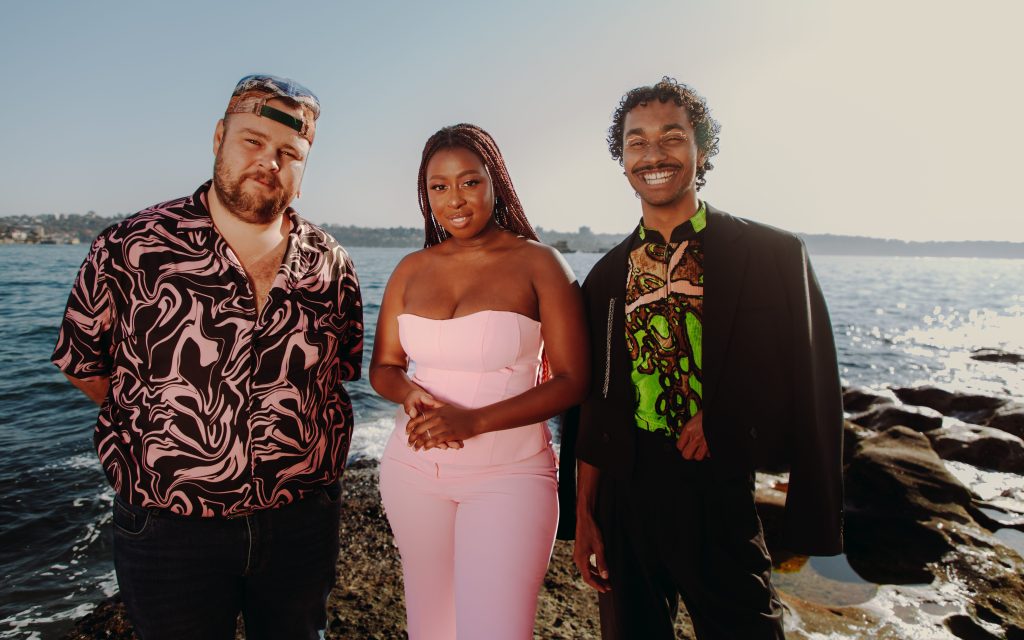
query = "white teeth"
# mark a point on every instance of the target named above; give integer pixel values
(658, 177)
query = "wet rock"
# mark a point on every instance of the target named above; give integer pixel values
(968, 629)
(1008, 417)
(860, 399)
(107, 620)
(896, 488)
(964, 406)
(927, 396)
(883, 417)
(995, 355)
(898, 472)
(983, 447)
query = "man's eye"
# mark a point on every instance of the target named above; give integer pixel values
(289, 154)
(674, 138)
(636, 142)
(253, 141)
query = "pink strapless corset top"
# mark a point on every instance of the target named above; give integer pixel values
(473, 361)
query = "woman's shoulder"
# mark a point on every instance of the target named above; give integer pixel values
(412, 263)
(543, 259)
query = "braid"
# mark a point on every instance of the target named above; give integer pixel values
(507, 207)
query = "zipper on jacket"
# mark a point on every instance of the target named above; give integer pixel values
(608, 349)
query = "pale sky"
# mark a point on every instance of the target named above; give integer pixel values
(898, 119)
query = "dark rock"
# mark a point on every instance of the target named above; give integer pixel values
(852, 436)
(964, 627)
(898, 472)
(1009, 418)
(859, 399)
(107, 620)
(983, 447)
(926, 396)
(883, 417)
(896, 490)
(995, 355)
(967, 407)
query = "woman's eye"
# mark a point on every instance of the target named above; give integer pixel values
(437, 187)
(472, 183)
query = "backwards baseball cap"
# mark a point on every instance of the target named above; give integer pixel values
(252, 93)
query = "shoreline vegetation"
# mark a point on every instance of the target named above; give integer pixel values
(929, 539)
(73, 228)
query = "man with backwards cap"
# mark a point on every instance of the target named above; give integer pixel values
(215, 331)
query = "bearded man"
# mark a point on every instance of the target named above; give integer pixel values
(215, 331)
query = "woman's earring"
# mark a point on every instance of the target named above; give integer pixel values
(438, 229)
(499, 212)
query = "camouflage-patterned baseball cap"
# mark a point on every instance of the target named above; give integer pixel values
(252, 93)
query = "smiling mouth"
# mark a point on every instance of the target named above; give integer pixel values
(459, 219)
(655, 178)
(266, 181)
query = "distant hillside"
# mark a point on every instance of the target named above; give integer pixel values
(72, 227)
(829, 244)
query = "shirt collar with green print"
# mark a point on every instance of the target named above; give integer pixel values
(684, 231)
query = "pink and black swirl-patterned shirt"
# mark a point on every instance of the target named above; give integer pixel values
(214, 410)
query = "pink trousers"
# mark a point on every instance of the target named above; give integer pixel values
(475, 542)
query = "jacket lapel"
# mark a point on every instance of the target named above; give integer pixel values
(725, 259)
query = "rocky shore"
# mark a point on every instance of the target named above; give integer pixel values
(935, 510)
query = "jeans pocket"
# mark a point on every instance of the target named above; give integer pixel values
(129, 520)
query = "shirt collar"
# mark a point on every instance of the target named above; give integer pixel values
(197, 218)
(689, 229)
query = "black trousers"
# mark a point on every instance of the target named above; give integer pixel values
(190, 577)
(689, 529)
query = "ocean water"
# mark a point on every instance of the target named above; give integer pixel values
(898, 322)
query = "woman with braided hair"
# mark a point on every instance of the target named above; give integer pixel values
(493, 321)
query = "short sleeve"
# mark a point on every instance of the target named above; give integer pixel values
(84, 345)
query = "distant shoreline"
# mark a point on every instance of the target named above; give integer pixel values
(66, 229)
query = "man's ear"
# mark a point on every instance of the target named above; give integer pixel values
(218, 136)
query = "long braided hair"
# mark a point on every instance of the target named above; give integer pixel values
(508, 211)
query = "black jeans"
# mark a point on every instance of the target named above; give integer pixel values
(689, 529)
(188, 577)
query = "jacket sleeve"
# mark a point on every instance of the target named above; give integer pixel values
(567, 475)
(814, 506)
(579, 436)
(569, 441)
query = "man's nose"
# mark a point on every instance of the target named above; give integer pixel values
(654, 153)
(269, 160)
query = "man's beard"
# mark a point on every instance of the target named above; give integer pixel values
(249, 207)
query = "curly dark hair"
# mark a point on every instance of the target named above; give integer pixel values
(706, 127)
(508, 211)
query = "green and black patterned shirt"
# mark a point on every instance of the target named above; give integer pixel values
(664, 324)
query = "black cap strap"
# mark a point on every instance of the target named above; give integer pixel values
(282, 117)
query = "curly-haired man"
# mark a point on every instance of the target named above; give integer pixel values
(668, 440)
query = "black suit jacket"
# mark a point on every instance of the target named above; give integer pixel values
(771, 383)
